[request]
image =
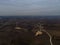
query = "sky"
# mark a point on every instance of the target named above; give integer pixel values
(29, 7)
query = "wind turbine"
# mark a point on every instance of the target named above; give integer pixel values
(41, 30)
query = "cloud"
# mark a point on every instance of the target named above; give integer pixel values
(29, 7)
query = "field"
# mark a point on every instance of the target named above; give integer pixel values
(21, 30)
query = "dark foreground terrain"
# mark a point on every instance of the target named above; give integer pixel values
(20, 30)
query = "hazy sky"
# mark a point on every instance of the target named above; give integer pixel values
(29, 7)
